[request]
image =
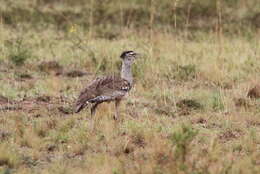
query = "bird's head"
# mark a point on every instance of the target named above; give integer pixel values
(129, 56)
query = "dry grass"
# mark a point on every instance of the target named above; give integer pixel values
(187, 113)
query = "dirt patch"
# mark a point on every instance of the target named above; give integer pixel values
(35, 106)
(8, 105)
(241, 102)
(4, 135)
(184, 112)
(24, 76)
(75, 73)
(165, 110)
(43, 98)
(139, 141)
(188, 103)
(128, 150)
(51, 147)
(254, 92)
(65, 110)
(229, 135)
(162, 158)
(10, 108)
(251, 123)
(256, 20)
(4, 100)
(185, 106)
(199, 121)
(136, 141)
(51, 67)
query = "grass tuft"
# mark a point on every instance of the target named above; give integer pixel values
(18, 52)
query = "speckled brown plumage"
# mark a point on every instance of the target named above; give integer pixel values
(109, 87)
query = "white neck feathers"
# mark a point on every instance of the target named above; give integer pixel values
(126, 72)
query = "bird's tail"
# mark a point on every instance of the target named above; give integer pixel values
(80, 106)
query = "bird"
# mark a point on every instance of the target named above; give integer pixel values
(108, 88)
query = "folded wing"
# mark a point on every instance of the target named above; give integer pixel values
(101, 90)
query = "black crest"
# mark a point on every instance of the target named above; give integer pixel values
(125, 53)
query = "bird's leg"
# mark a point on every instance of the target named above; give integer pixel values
(93, 112)
(93, 109)
(117, 103)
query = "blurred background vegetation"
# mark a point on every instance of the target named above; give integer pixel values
(106, 18)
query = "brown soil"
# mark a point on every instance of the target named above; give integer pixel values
(25, 76)
(229, 135)
(3, 100)
(51, 67)
(43, 98)
(254, 92)
(241, 102)
(191, 104)
(75, 73)
(65, 110)
(34, 105)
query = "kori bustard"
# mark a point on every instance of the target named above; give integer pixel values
(108, 88)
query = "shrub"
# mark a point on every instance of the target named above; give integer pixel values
(217, 103)
(182, 140)
(18, 53)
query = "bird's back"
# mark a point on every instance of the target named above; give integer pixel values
(114, 87)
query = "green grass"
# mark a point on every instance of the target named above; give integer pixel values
(188, 111)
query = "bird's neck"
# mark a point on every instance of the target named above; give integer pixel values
(126, 72)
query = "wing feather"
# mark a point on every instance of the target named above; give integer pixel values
(108, 88)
